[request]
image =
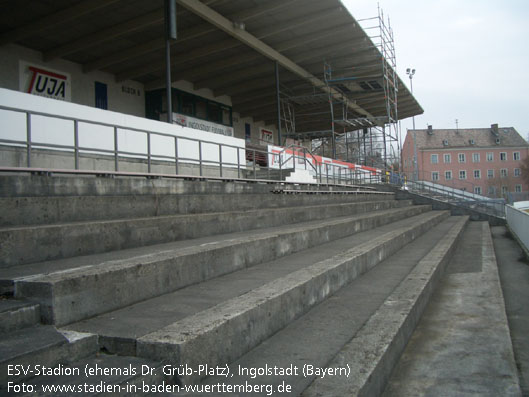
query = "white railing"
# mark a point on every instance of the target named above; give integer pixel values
(90, 139)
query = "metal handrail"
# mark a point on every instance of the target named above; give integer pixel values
(304, 150)
(331, 173)
(459, 196)
(76, 148)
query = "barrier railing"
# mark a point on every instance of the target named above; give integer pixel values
(459, 196)
(202, 158)
(154, 148)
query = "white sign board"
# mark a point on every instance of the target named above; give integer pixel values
(43, 81)
(198, 124)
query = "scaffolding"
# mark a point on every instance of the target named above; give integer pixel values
(351, 136)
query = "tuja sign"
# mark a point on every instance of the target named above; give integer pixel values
(48, 83)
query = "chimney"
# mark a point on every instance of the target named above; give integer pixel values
(494, 129)
(430, 130)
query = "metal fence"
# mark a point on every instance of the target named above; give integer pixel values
(247, 163)
(459, 197)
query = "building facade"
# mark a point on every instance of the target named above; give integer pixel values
(484, 161)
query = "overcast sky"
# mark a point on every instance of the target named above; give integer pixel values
(471, 59)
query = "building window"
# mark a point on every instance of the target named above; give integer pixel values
(503, 156)
(490, 156)
(435, 176)
(448, 158)
(504, 173)
(490, 174)
(462, 174)
(504, 190)
(448, 175)
(516, 156)
(477, 174)
(461, 157)
(101, 95)
(434, 158)
(477, 189)
(518, 188)
(517, 172)
(475, 157)
(492, 191)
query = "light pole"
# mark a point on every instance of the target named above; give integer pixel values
(411, 73)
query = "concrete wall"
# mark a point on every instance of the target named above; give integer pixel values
(82, 84)
(518, 222)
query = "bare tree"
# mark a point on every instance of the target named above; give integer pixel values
(525, 169)
(501, 185)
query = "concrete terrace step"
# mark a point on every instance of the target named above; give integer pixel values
(78, 292)
(27, 244)
(375, 348)
(20, 185)
(119, 329)
(42, 345)
(16, 211)
(16, 314)
(462, 344)
(316, 337)
(99, 375)
(222, 333)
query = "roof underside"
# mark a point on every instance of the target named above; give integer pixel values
(126, 38)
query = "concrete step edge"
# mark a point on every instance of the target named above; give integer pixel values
(71, 347)
(250, 212)
(28, 244)
(124, 376)
(20, 316)
(19, 211)
(372, 354)
(223, 333)
(69, 296)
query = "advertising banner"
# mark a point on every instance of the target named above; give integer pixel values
(43, 81)
(203, 125)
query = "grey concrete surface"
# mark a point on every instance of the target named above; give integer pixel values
(222, 333)
(17, 314)
(317, 336)
(119, 329)
(376, 347)
(22, 185)
(17, 211)
(514, 275)
(27, 244)
(122, 371)
(70, 296)
(42, 345)
(461, 346)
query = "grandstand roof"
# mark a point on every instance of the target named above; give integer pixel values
(229, 46)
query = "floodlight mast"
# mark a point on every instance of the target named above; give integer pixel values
(411, 72)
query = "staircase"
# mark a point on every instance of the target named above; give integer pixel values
(270, 174)
(178, 283)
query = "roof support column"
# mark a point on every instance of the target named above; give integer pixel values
(278, 100)
(385, 149)
(170, 34)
